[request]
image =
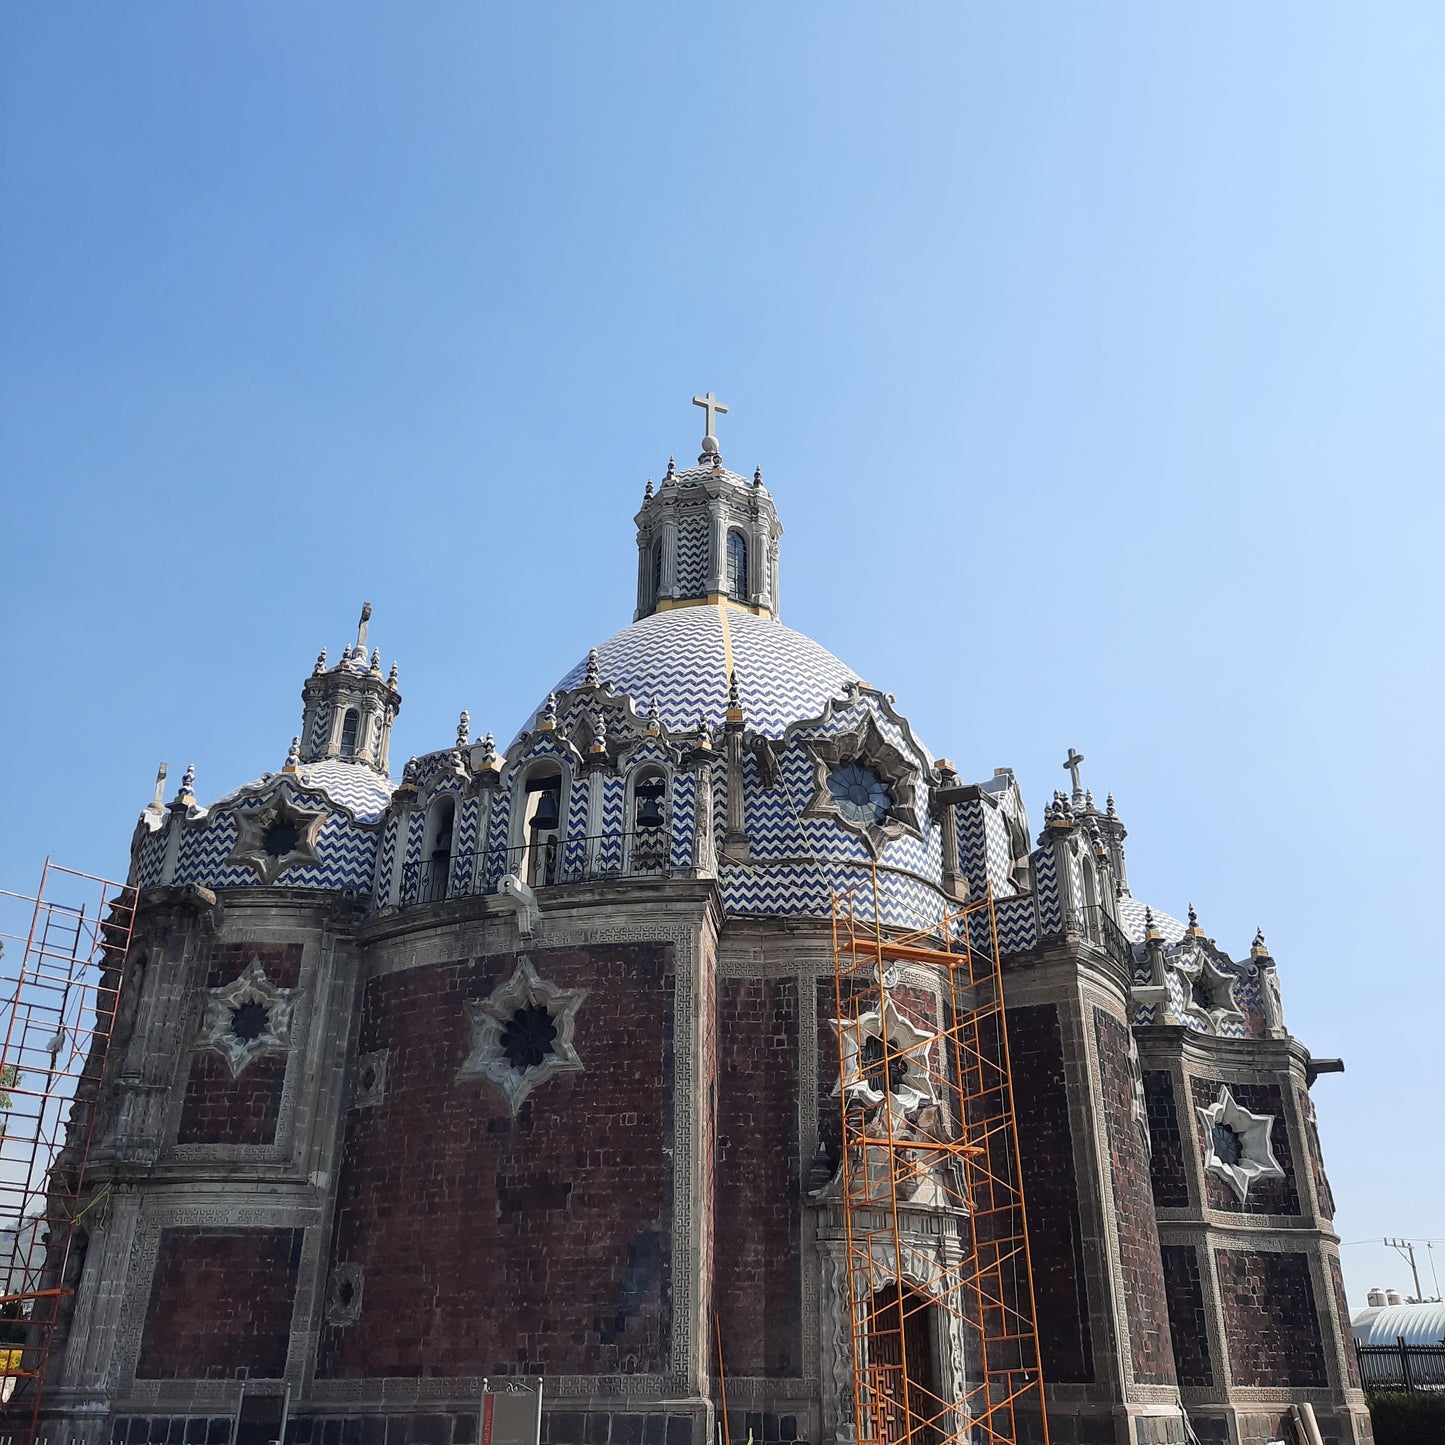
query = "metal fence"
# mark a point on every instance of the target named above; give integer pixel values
(1402, 1367)
(542, 864)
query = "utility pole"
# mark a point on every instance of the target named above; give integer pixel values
(1406, 1249)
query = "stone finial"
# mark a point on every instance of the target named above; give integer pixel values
(671, 468)
(735, 702)
(408, 774)
(703, 738)
(376, 662)
(757, 476)
(716, 461)
(593, 676)
(464, 729)
(547, 718)
(647, 491)
(1194, 930)
(186, 793)
(598, 748)
(320, 663)
(391, 678)
(1109, 806)
(1259, 948)
(1089, 802)
(293, 757)
(1151, 929)
(654, 722)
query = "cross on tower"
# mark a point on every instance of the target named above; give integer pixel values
(1071, 765)
(714, 408)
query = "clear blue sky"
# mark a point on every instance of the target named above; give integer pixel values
(1092, 353)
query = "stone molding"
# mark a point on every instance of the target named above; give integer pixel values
(249, 989)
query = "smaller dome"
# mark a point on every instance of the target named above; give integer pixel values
(355, 787)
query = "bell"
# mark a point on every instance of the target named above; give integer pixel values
(546, 815)
(649, 815)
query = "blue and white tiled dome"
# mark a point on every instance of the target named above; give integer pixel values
(679, 659)
(361, 790)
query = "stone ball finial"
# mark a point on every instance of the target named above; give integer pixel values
(391, 678)
(293, 756)
(464, 728)
(186, 793)
(320, 663)
(376, 662)
(757, 476)
(1259, 948)
(593, 676)
(672, 466)
(647, 491)
(1109, 806)
(548, 717)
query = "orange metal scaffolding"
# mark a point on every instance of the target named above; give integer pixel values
(944, 1336)
(72, 938)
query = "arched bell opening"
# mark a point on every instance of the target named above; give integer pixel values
(647, 834)
(737, 566)
(350, 732)
(541, 826)
(437, 846)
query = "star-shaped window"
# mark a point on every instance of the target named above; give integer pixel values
(276, 837)
(1236, 1144)
(861, 795)
(521, 1035)
(246, 1018)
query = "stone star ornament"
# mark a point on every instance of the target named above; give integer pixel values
(1237, 1144)
(862, 1051)
(247, 1018)
(521, 1035)
(276, 837)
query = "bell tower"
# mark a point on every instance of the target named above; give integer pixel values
(349, 709)
(707, 535)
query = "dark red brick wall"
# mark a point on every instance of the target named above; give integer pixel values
(1166, 1162)
(1041, 1106)
(758, 1290)
(1188, 1326)
(217, 1108)
(1145, 1298)
(1266, 1196)
(220, 1305)
(489, 1245)
(1270, 1318)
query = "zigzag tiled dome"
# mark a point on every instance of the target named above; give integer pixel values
(679, 659)
(362, 791)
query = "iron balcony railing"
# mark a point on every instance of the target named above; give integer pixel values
(542, 864)
(1100, 927)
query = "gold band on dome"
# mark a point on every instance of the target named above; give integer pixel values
(713, 599)
(722, 612)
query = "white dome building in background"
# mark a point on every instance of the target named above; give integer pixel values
(526, 1066)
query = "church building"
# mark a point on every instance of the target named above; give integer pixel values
(520, 1061)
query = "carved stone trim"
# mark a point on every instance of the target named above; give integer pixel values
(371, 1072)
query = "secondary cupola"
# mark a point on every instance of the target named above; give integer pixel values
(707, 535)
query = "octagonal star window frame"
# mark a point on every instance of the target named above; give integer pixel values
(1256, 1153)
(489, 1018)
(908, 1047)
(864, 746)
(1195, 966)
(250, 986)
(252, 826)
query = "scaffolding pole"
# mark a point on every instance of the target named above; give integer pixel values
(944, 1340)
(71, 938)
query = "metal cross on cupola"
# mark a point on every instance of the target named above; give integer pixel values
(714, 408)
(1071, 766)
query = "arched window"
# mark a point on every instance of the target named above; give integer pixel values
(657, 569)
(737, 566)
(437, 853)
(350, 726)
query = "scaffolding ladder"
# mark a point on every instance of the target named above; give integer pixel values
(945, 1344)
(71, 937)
